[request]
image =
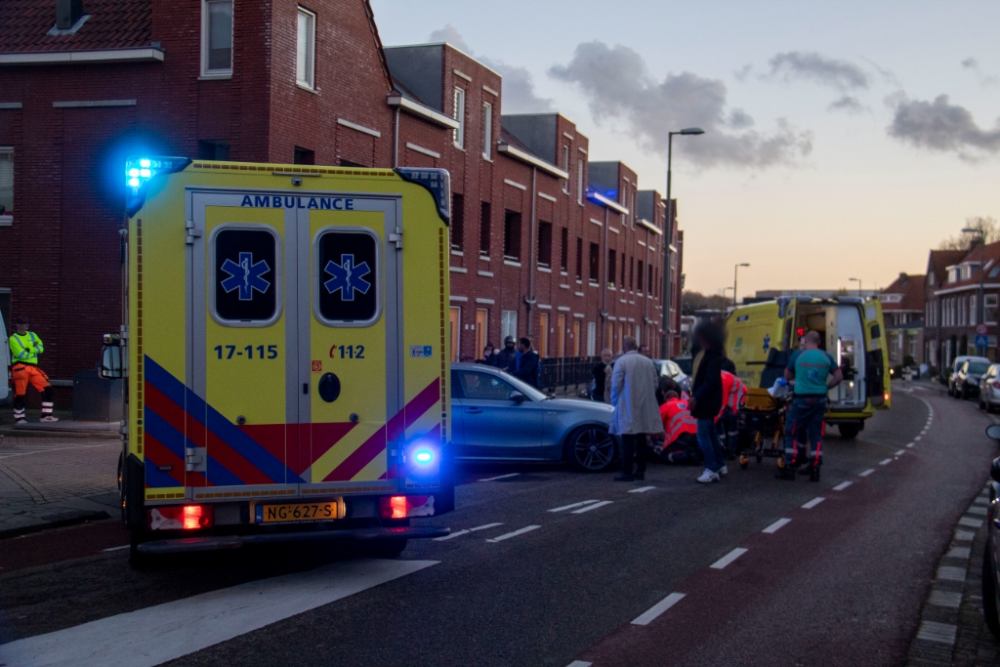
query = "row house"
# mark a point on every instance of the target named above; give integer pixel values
(903, 314)
(544, 243)
(952, 308)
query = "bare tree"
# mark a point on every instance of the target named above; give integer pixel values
(964, 241)
(692, 301)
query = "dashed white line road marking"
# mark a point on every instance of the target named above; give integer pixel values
(653, 612)
(842, 486)
(165, 632)
(728, 558)
(959, 552)
(948, 573)
(579, 663)
(124, 546)
(569, 507)
(940, 633)
(900, 452)
(945, 599)
(969, 522)
(964, 536)
(981, 511)
(981, 500)
(776, 526)
(866, 472)
(485, 526)
(519, 531)
(493, 479)
(917, 438)
(813, 503)
(592, 507)
(451, 536)
(885, 462)
(911, 445)
(642, 489)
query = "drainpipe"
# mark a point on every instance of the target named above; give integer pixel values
(604, 283)
(530, 300)
(395, 140)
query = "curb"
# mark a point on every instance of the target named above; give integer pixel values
(61, 521)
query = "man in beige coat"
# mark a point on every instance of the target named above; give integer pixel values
(636, 415)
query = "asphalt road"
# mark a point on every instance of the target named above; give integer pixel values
(841, 583)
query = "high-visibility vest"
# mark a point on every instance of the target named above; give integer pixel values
(677, 419)
(733, 392)
(25, 349)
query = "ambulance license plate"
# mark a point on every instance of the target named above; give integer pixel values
(293, 512)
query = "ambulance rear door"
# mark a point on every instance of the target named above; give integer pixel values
(876, 359)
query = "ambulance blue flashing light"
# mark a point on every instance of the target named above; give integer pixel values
(423, 456)
(140, 170)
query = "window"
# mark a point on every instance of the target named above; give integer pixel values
(6, 181)
(512, 235)
(591, 339)
(545, 244)
(482, 328)
(579, 259)
(565, 162)
(246, 273)
(458, 113)
(631, 273)
(304, 156)
(455, 331)
(622, 282)
(649, 280)
(213, 150)
(217, 37)
(305, 55)
(508, 324)
(914, 348)
(973, 310)
(487, 130)
(612, 265)
(564, 249)
(990, 308)
(595, 264)
(639, 276)
(347, 286)
(484, 229)
(484, 387)
(579, 182)
(457, 222)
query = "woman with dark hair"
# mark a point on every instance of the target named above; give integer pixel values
(706, 399)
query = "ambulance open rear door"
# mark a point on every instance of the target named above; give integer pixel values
(876, 359)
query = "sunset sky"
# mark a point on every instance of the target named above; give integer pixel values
(843, 139)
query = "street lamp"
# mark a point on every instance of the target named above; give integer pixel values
(979, 309)
(668, 239)
(858, 281)
(736, 270)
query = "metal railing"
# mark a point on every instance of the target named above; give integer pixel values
(567, 373)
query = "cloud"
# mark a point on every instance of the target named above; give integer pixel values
(618, 87)
(984, 79)
(944, 127)
(450, 34)
(838, 74)
(518, 87)
(847, 103)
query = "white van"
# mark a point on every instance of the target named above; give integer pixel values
(5, 392)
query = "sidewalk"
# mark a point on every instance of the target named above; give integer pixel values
(53, 481)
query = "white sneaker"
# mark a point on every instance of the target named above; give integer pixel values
(724, 470)
(49, 418)
(21, 421)
(707, 477)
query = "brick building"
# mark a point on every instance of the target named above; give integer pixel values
(903, 314)
(951, 292)
(544, 243)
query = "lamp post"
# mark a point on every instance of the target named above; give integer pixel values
(668, 237)
(858, 281)
(736, 271)
(980, 319)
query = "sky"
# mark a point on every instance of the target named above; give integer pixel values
(843, 139)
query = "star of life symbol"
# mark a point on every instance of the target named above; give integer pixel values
(347, 277)
(767, 342)
(246, 276)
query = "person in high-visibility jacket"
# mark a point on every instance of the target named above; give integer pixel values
(681, 440)
(25, 346)
(733, 392)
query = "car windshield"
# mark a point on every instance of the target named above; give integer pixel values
(525, 388)
(684, 363)
(977, 368)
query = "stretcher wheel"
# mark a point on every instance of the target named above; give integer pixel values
(759, 458)
(744, 464)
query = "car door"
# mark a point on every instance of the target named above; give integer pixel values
(493, 425)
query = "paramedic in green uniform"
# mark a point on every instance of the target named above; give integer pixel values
(815, 372)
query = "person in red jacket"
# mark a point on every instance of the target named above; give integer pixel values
(733, 391)
(681, 441)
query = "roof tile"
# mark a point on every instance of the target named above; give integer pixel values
(112, 24)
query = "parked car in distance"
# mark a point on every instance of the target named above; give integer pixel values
(991, 559)
(956, 365)
(686, 364)
(671, 369)
(989, 388)
(967, 378)
(496, 417)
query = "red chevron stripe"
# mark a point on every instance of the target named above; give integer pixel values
(158, 454)
(359, 458)
(230, 459)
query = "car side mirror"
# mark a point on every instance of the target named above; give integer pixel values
(111, 358)
(995, 469)
(993, 431)
(517, 397)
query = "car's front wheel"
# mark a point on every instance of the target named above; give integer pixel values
(990, 611)
(591, 449)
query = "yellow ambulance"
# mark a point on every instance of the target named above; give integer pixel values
(760, 337)
(285, 354)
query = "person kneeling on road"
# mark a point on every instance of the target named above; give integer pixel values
(810, 367)
(681, 439)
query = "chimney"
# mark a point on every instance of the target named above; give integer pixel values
(68, 12)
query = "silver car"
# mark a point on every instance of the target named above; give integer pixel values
(669, 368)
(495, 417)
(989, 388)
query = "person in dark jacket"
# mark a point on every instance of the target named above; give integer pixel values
(528, 365)
(504, 359)
(706, 399)
(601, 371)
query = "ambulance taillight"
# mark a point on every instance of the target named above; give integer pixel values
(180, 517)
(404, 507)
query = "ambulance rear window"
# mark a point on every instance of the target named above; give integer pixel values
(347, 277)
(246, 270)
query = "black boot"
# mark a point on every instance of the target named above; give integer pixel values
(814, 473)
(785, 473)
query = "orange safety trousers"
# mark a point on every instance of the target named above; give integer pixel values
(25, 374)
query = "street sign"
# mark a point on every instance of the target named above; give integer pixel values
(981, 341)
(981, 329)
